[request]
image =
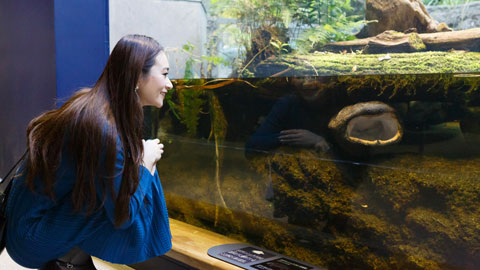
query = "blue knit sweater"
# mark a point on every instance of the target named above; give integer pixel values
(40, 229)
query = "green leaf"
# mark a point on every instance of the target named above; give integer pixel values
(329, 28)
(275, 44)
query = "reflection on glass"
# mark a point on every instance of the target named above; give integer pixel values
(299, 120)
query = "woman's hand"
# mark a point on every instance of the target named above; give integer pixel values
(152, 152)
(303, 137)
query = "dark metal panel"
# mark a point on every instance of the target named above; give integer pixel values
(27, 71)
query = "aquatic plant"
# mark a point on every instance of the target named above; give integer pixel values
(317, 36)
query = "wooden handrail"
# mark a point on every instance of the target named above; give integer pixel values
(190, 246)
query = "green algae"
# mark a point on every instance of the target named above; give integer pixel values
(416, 42)
(433, 206)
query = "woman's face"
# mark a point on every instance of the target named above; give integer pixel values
(154, 86)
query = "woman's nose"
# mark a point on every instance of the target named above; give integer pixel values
(169, 84)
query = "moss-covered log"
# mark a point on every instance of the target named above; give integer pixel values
(400, 77)
(317, 64)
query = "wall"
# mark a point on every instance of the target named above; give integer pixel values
(27, 71)
(172, 23)
(81, 40)
(48, 49)
(458, 17)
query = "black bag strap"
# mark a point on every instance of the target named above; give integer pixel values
(7, 180)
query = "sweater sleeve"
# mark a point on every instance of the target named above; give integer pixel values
(137, 200)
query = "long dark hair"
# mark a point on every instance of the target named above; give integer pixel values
(88, 125)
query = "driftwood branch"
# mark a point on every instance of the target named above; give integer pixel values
(390, 41)
(399, 15)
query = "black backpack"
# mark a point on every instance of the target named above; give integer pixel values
(5, 186)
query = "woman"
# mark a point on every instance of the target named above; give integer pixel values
(89, 185)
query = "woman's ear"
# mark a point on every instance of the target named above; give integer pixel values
(140, 83)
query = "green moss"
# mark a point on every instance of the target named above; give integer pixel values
(418, 212)
(365, 64)
(438, 199)
(400, 192)
(416, 257)
(189, 106)
(416, 42)
(405, 77)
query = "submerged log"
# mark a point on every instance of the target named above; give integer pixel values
(392, 42)
(399, 15)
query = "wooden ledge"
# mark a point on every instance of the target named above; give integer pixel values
(104, 265)
(190, 245)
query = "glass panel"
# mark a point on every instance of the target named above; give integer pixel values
(363, 154)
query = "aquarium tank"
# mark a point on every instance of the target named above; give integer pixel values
(342, 133)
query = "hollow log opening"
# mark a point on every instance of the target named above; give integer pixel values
(378, 129)
(370, 123)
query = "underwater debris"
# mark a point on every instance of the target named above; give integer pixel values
(386, 57)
